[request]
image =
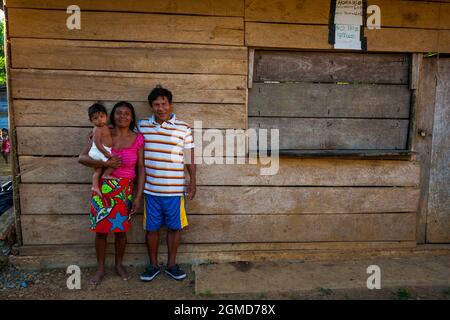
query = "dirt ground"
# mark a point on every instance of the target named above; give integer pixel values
(16, 284)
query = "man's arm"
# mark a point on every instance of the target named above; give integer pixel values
(192, 169)
(190, 163)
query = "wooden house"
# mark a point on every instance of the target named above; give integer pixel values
(364, 135)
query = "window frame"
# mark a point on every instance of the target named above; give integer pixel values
(397, 154)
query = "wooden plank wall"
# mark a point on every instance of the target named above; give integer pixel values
(423, 118)
(438, 230)
(122, 50)
(332, 101)
(199, 49)
(285, 24)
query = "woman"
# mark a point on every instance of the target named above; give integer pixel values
(113, 211)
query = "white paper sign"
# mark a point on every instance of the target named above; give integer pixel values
(347, 37)
(349, 12)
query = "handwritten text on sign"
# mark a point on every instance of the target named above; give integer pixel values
(348, 37)
(349, 12)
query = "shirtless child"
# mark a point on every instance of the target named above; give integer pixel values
(102, 143)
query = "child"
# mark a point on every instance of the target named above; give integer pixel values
(102, 142)
(5, 145)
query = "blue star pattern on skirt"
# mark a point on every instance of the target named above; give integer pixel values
(117, 222)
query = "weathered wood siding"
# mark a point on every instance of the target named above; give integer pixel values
(199, 49)
(332, 101)
(407, 26)
(439, 191)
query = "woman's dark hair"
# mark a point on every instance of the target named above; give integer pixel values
(96, 107)
(127, 105)
(157, 92)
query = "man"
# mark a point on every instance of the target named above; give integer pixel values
(167, 142)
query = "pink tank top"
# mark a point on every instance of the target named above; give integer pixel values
(129, 157)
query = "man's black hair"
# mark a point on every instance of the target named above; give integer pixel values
(127, 105)
(157, 92)
(96, 107)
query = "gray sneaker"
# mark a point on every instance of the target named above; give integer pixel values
(175, 272)
(150, 273)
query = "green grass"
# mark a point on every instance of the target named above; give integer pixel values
(2, 55)
(206, 293)
(402, 294)
(292, 296)
(324, 291)
(262, 296)
(446, 291)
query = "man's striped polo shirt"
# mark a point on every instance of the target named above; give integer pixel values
(164, 155)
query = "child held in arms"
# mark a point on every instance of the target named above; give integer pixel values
(102, 143)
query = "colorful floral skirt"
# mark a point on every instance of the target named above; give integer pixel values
(110, 213)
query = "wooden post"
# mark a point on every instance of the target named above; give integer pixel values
(416, 64)
(414, 76)
(423, 83)
(12, 134)
(438, 218)
(251, 61)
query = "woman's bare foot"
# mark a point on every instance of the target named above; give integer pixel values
(98, 277)
(120, 270)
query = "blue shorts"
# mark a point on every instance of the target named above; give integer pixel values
(166, 211)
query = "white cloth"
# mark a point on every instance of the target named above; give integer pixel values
(96, 154)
